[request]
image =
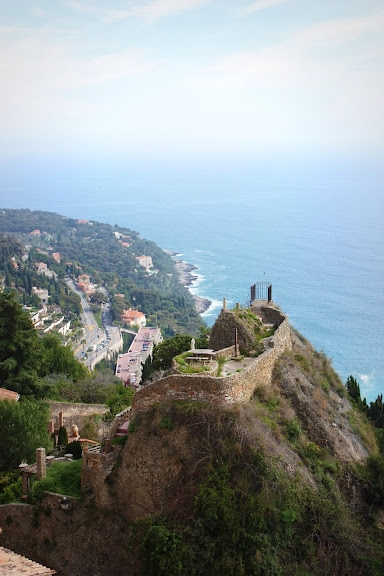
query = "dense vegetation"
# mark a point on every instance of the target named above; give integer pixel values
(247, 516)
(24, 427)
(25, 358)
(41, 368)
(107, 253)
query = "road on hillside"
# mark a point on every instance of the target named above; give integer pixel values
(95, 337)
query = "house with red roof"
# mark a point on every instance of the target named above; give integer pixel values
(133, 318)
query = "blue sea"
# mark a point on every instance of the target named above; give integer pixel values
(317, 237)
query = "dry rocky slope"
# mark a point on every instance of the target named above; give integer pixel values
(158, 470)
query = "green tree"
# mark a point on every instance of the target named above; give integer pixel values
(59, 359)
(167, 350)
(120, 398)
(24, 427)
(75, 449)
(20, 351)
(375, 412)
(353, 388)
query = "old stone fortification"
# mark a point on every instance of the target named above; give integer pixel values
(119, 419)
(238, 387)
(80, 414)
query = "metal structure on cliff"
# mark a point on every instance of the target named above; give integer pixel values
(260, 291)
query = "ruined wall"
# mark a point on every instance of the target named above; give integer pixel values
(119, 419)
(259, 373)
(270, 315)
(95, 469)
(223, 332)
(79, 414)
(226, 353)
(204, 388)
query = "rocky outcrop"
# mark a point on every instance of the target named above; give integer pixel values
(223, 333)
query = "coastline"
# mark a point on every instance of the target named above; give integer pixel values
(187, 278)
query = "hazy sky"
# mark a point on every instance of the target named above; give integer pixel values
(191, 77)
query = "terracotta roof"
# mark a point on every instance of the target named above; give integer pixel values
(132, 315)
(11, 564)
(8, 395)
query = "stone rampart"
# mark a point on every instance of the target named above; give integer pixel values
(238, 387)
(226, 353)
(203, 387)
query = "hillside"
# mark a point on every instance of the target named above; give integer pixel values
(277, 482)
(128, 265)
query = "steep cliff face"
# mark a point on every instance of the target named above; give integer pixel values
(317, 396)
(159, 468)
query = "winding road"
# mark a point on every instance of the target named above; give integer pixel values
(94, 335)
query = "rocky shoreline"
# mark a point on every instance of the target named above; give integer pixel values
(186, 278)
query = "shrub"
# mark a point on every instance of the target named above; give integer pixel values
(167, 423)
(75, 449)
(119, 440)
(62, 438)
(312, 450)
(12, 493)
(373, 474)
(293, 429)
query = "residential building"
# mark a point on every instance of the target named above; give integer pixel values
(133, 318)
(42, 293)
(145, 261)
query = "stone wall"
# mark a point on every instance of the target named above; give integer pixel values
(270, 315)
(239, 387)
(119, 419)
(78, 542)
(226, 353)
(79, 414)
(95, 469)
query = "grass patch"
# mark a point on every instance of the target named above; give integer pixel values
(62, 478)
(180, 359)
(361, 425)
(220, 363)
(97, 316)
(186, 368)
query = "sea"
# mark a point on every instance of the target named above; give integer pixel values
(316, 235)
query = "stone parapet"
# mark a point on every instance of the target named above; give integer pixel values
(238, 387)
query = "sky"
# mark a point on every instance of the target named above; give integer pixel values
(191, 78)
